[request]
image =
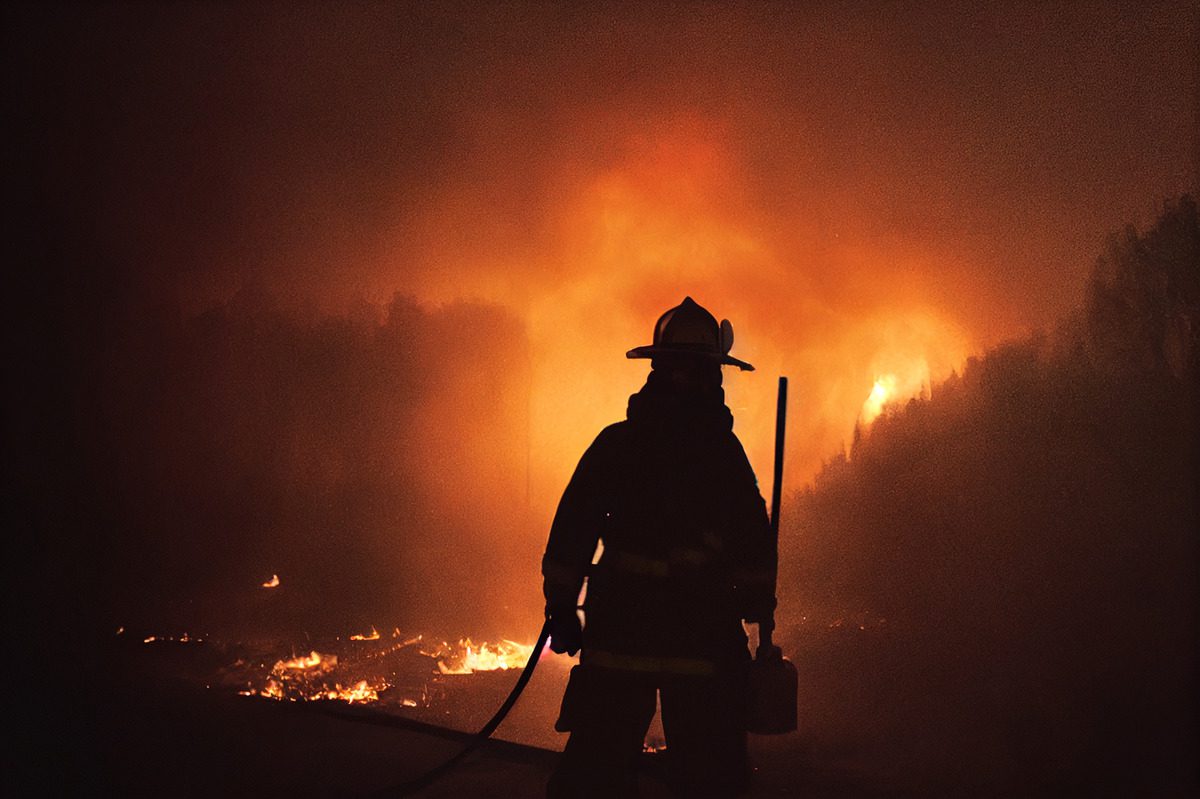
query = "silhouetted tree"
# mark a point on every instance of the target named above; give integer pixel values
(1142, 299)
(343, 453)
(1029, 533)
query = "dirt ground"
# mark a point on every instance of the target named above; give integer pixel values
(147, 727)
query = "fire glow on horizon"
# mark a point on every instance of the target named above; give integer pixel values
(815, 175)
(673, 218)
(833, 182)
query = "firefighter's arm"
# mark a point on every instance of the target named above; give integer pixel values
(573, 537)
(754, 576)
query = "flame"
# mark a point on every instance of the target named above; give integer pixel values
(467, 657)
(903, 377)
(313, 660)
(371, 636)
(273, 582)
(304, 678)
(359, 692)
(361, 676)
(272, 690)
(183, 639)
(883, 390)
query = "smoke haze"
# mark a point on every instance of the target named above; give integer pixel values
(996, 590)
(858, 189)
(341, 294)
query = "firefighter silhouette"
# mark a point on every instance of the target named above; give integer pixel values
(687, 555)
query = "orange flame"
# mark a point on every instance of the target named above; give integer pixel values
(359, 692)
(302, 678)
(882, 392)
(273, 582)
(467, 657)
(319, 676)
(183, 639)
(313, 660)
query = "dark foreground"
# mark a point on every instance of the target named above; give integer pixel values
(133, 720)
(146, 729)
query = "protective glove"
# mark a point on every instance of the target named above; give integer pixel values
(566, 633)
(766, 648)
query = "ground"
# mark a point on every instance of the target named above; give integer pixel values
(151, 729)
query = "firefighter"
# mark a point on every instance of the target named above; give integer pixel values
(686, 555)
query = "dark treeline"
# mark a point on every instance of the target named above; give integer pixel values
(1028, 532)
(374, 461)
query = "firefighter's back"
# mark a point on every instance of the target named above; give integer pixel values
(663, 587)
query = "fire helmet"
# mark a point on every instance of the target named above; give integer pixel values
(689, 329)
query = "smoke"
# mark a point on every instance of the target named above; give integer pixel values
(1012, 560)
(863, 192)
(341, 294)
(827, 178)
(374, 461)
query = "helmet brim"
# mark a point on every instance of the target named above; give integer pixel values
(650, 351)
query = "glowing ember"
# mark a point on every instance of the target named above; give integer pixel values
(371, 636)
(306, 678)
(272, 690)
(467, 657)
(183, 639)
(359, 692)
(273, 582)
(312, 661)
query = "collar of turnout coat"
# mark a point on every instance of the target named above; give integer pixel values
(658, 405)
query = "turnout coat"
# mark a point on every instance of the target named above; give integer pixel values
(688, 551)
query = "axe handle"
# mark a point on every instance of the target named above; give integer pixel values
(764, 630)
(777, 483)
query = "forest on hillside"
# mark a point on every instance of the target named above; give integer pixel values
(359, 457)
(1024, 542)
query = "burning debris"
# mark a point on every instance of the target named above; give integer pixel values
(313, 661)
(395, 673)
(466, 657)
(312, 677)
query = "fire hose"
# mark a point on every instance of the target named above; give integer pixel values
(478, 739)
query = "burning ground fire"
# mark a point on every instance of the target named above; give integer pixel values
(467, 657)
(319, 676)
(371, 667)
(307, 678)
(365, 667)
